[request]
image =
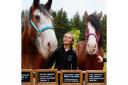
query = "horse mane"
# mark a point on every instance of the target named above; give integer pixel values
(95, 22)
(26, 39)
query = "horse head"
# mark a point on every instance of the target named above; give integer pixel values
(92, 32)
(41, 30)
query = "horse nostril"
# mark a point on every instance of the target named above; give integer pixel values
(48, 44)
(93, 50)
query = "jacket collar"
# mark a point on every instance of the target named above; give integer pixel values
(64, 48)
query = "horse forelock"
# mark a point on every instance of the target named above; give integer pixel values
(42, 8)
(95, 22)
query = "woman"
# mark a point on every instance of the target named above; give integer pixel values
(64, 57)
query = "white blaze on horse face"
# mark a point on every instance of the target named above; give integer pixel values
(45, 19)
(46, 42)
(91, 46)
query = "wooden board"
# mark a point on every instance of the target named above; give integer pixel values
(71, 77)
(46, 77)
(95, 77)
(27, 77)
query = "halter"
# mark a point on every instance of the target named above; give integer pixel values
(44, 27)
(97, 37)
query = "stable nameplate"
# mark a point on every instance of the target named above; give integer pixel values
(71, 77)
(46, 76)
(27, 77)
(95, 77)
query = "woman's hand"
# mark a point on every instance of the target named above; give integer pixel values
(100, 58)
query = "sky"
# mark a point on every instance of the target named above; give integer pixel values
(73, 6)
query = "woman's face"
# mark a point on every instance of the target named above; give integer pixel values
(68, 39)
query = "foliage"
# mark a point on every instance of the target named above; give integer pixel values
(61, 24)
(104, 31)
(76, 34)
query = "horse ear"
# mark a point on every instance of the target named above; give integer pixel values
(86, 17)
(48, 4)
(36, 3)
(85, 20)
(99, 15)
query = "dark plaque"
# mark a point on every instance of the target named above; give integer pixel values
(25, 76)
(96, 77)
(46, 77)
(71, 77)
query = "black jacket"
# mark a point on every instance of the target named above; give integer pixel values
(64, 60)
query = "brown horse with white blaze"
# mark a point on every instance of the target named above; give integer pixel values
(38, 36)
(90, 51)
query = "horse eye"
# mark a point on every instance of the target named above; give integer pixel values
(37, 17)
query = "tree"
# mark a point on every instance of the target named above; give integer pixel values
(61, 24)
(76, 22)
(24, 13)
(104, 31)
(22, 19)
(76, 34)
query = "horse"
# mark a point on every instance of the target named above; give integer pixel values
(90, 51)
(38, 36)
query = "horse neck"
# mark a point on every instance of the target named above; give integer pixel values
(81, 49)
(25, 34)
(25, 30)
(25, 26)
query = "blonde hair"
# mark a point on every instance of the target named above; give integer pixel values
(71, 35)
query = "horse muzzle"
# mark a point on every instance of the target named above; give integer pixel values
(92, 50)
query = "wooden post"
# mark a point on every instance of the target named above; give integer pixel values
(71, 77)
(46, 77)
(27, 77)
(95, 77)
